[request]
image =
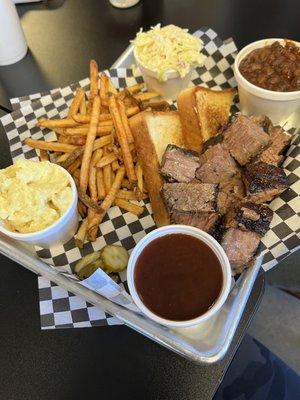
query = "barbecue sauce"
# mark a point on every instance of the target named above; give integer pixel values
(178, 277)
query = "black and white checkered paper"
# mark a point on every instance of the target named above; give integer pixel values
(59, 308)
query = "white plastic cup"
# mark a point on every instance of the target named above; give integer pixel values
(280, 107)
(204, 237)
(168, 89)
(13, 46)
(60, 232)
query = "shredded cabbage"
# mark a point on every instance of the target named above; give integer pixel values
(168, 48)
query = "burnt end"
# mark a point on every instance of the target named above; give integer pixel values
(264, 181)
(216, 165)
(207, 222)
(194, 196)
(249, 216)
(230, 193)
(213, 141)
(280, 141)
(240, 247)
(245, 139)
(263, 121)
(178, 164)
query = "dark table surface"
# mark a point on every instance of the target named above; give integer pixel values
(110, 362)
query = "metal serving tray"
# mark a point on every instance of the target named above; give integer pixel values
(205, 344)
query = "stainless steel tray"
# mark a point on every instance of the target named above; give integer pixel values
(205, 344)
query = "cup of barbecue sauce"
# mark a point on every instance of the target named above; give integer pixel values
(178, 276)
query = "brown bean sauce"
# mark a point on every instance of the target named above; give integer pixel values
(274, 67)
(178, 277)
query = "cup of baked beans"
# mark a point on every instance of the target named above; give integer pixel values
(268, 77)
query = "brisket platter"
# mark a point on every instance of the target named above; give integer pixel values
(224, 190)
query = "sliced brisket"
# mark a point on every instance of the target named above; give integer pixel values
(240, 247)
(263, 181)
(250, 216)
(202, 220)
(216, 165)
(193, 196)
(245, 139)
(179, 164)
(263, 121)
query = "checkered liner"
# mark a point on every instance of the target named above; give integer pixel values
(58, 307)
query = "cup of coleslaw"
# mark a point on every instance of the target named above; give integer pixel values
(166, 57)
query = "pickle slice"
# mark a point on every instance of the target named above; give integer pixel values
(88, 259)
(115, 258)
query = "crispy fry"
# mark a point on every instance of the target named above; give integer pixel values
(56, 123)
(103, 141)
(97, 155)
(108, 201)
(51, 146)
(107, 178)
(82, 107)
(100, 184)
(146, 96)
(85, 119)
(74, 166)
(136, 88)
(88, 201)
(44, 156)
(76, 102)
(81, 234)
(108, 159)
(77, 140)
(76, 175)
(93, 184)
(83, 130)
(126, 195)
(132, 111)
(93, 80)
(110, 87)
(88, 148)
(122, 139)
(103, 87)
(81, 209)
(124, 120)
(133, 208)
(115, 165)
(61, 158)
(70, 157)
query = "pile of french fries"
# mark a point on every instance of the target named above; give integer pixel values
(95, 145)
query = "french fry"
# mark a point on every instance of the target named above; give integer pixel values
(44, 156)
(67, 161)
(110, 87)
(88, 148)
(115, 165)
(85, 119)
(107, 177)
(82, 107)
(88, 201)
(56, 123)
(126, 184)
(93, 184)
(83, 130)
(97, 155)
(93, 80)
(77, 140)
(133, 208)
(76, 175)
(122, 139)
(50, 146)
(103, 87)
(132, 111)
(61, 158)
(126, 195)
(103, 141)
(100, 184)
(136, 88)
(124, 120)
(75, 165)
(81, 234)
(108, 201)
(76, 102)
(81, 209)
(145, 96)
(108, 159)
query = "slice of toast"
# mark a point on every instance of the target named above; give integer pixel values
(152, 132)
(202, 112)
